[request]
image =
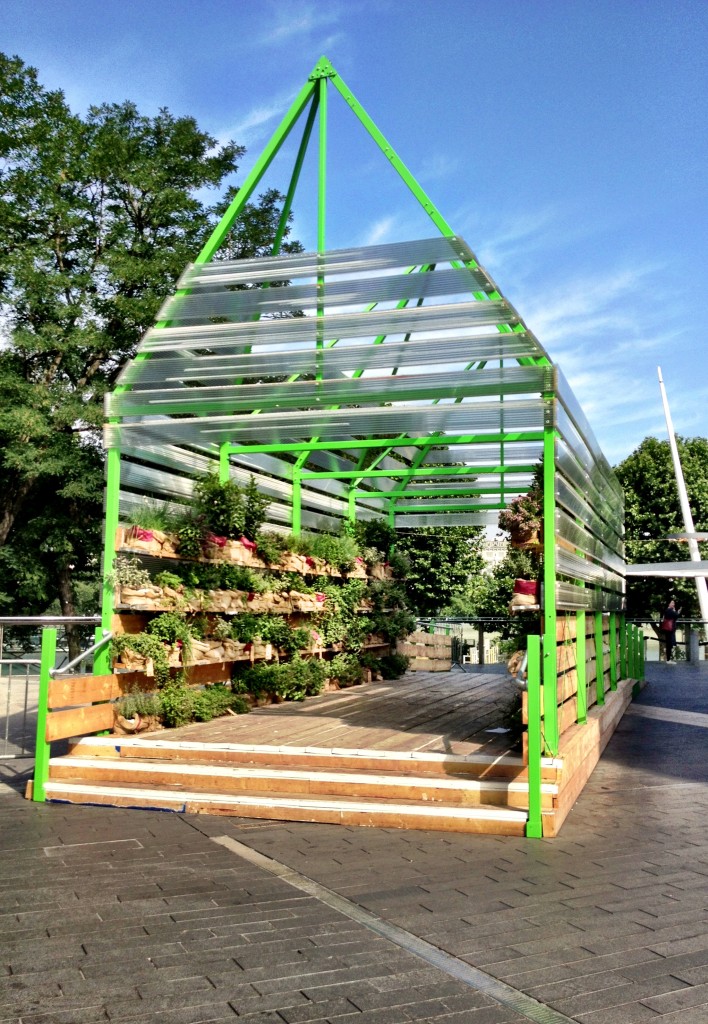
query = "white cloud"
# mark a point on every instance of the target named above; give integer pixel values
(381, 230)
(288, 21)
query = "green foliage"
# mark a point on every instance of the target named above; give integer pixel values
(176, 704)
(376, 533)
(216, 700)
(270, 546)
(245, 627)
(221, 505)
(395, 625)
(652, 511)
(137, 702)
(168, 579)
(442, 559)
(191, 530)
(127, 571)
(255, 506)
(100, 214)
(147, 646)
(394, 665)
(300, 544)
(400, 563)
(171, 628)
(346, 669)
(339, 551)
(291, 680)
(152, 516)
(525, 513)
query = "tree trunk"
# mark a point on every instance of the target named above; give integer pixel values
(11, 507)
(66, 600)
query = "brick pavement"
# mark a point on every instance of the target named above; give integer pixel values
(151, 921)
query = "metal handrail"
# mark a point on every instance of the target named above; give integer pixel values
(50, 620)
(107, 635)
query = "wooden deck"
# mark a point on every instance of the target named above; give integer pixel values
(431, 712)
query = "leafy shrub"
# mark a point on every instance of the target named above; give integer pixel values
(221, 505)
(146, 646)
(338, 551)
(245, 627)
(168, 579)
(176, 704)
(375, 533)
(346, 669)
(301, 543)
(300, 678)
(213, 701)
(128, 572)
(256, 679)
(151, 516)
(191, 531)
(255, 505)
(137, 702)
(171, 628)
(270, 546)
(394, 625)
(400, 564)
(393, 665)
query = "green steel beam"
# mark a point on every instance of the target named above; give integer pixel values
(356, 443)
(389, 152)
(613, 650)
(43, 750)
(599, 662)
(295, 177)
(353, 474)
(245, 192)
(550, 662)
(533, 682)
(581, 667)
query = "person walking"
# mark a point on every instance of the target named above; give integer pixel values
(668, 627)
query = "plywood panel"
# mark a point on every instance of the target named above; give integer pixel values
(79, 721)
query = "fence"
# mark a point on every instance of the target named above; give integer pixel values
(20, 643)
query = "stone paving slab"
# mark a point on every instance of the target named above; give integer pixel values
(138, 917)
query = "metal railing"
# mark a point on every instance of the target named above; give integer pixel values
(20, 663)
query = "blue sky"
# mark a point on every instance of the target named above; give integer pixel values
(565, 140)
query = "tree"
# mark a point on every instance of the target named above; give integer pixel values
(442, 561)
(98, 217)
(652, 511)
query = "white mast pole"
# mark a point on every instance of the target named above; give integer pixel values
(701, 586)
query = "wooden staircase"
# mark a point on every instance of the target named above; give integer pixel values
(387, 789)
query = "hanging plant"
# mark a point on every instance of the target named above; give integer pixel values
(146, 647)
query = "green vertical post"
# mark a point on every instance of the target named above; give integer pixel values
(534, 827)
(43, 749)
(581, 667)
(224, 465)
(623, 647)
(613, 651)
(101, 664)
(549, 649)
(297, 502)
(630, 651)
(599, 661)
(641, 653)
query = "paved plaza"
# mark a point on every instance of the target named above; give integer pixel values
(124, 915)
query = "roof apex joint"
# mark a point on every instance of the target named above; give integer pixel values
(322, 69)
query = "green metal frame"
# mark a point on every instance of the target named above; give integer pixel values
(374, 456)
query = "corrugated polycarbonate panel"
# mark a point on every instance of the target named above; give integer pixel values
(336, 424)
(511, 453)
(581, 480)
(603, 479)
(571, 500)
(583, 541)
(411, 522)
(199, 306)
(576, 414)
(452, 318)
(343, 357)
(360, 260)
(573, 598)
(305, 394)
(590, 572)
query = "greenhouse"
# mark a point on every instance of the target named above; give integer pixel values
(390, 383)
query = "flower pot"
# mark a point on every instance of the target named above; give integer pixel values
(525, 593)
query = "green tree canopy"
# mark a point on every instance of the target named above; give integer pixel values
(98, 217)
(652, 511)
(442, 560)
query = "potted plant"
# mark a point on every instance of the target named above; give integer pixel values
(523, 518)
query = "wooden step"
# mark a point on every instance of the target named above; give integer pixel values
(366, 784)
(283, 807)
(476, 765)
